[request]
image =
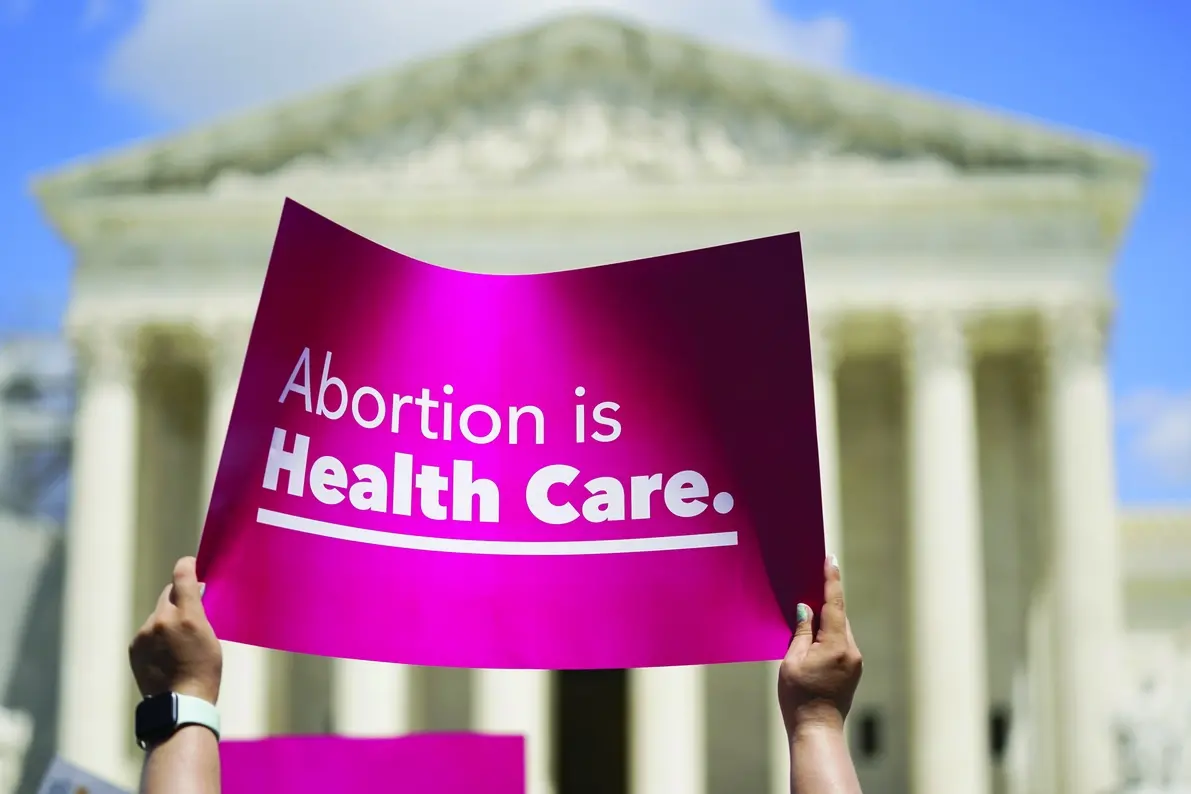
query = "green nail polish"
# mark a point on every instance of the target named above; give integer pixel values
(804, 613)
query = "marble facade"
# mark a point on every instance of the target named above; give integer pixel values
(958, 267)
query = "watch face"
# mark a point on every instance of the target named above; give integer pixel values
(155, 718)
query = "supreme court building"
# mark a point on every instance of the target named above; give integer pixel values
(959, 269)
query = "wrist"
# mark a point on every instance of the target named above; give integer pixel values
(205, 689)
(185, 734)
(160, 717)
(815, 719)
(815, 738)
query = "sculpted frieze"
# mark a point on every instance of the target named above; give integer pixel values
(612, 132)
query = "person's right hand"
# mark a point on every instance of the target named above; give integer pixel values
(819, 675)
(176, 650)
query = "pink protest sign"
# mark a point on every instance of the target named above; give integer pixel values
(607, 467)
(417, 764)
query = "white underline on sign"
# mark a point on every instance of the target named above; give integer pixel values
(515, 548)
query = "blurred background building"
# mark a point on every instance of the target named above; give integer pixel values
(958, 265)
(36, 399)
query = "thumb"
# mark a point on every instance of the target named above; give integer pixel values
(187, 591)
(803, 635)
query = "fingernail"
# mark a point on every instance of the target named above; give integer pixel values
(202, 589)
(804, 613)
(834, 561)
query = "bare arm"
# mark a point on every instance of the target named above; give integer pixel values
(186, 763)
(820, 762)
(816, 684)
(176, 651)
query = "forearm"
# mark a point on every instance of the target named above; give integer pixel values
(187, 763)
(820, 762)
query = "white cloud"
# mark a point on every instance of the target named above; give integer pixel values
(192, 58)
(1161, 432)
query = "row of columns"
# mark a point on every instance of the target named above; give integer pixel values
(949, 678)
(99, 591)
(1081, 594)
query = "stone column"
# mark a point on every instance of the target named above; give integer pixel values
(823, 359)
(949, 664)
(371, 698)
(1041, 713)
(779, 742)
(244, 694)
(824, 362)
(1087, 584)
(96, 700)
(519, 702)
(227, 344)
(668, 731)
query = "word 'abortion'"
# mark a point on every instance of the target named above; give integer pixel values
(438, 417)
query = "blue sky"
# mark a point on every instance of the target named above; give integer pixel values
(77, 76)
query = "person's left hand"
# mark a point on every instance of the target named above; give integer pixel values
(176, 649)
(818, 678)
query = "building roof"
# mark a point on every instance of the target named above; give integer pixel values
(848, 113)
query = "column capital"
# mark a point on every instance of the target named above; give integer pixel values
(937, 339)
(1076, 333)
(106, 353)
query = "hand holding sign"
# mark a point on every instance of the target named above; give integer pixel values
(176, 649)
(820, 673)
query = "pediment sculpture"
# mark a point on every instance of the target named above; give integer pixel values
(590, 135)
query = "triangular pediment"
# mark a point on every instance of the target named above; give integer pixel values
(586, 99)
(605, 129)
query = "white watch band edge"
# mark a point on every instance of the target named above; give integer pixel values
(196, 711)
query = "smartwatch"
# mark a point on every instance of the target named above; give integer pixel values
(160, 716)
